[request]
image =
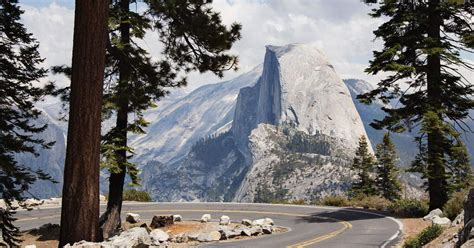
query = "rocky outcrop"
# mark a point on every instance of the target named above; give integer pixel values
(132, 218)
(433, 213)
(293, 135)
(161, 221)
(466, 234)
(205, 218)
(159, 236)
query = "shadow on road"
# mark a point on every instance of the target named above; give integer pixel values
(332, 216)
(46, 232)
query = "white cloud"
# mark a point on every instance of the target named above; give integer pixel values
(340, 28)
(52, 26)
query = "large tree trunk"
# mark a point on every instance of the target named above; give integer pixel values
(436, 162)
(80, 199)
(110, 220)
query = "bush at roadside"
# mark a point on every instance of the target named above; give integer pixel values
(455, 205)
(427, 235)
(334, 200)
(409, 208)
(136, 195)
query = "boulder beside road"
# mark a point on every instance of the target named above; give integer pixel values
(132, 218)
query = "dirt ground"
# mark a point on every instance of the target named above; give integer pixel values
(413, 226)
(42, 238)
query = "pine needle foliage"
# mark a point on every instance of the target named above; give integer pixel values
(19, 63)
(364, 165)
(387, 181)
(423, 43)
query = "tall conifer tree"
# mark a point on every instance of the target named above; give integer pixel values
(422, 45)
(364, 166)
(19, 63)
(387, 181)
(80, 198)
(193, 38)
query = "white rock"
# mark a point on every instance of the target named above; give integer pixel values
(84, 244)
(30, 246)
(256, 230)
(159, 236)
(132, 218)
(268, 221)
(205, 218)
(137, 236)
(33, 202)
(267, 229)
(261, 222)
(441, 221)
(459, 219)
(433, 213)
(193, 236)
(209, 237)
(228, 234)
(246, 232)
(177, 218)
(224, 220)
(180, 238)
(246, 222)
(257, 222)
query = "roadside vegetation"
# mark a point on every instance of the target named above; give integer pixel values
(454, 206)
(136, 195)
(427, 235)
(407, 208)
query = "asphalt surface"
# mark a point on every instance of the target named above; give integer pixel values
(309, 226)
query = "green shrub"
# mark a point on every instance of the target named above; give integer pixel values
(136, 195)
(427, 235)
(409, 208)
(455, 205)
(334, 200)
(373, 202)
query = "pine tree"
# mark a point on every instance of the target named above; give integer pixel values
(193, 37)
(364, 165)
(459, 165)
(19, 63)
(387, 181)
(456, 162)
(423, 41)
(80, 198)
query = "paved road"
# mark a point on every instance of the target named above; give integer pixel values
(309, 226)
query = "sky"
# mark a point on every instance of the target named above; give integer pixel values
(341, 29)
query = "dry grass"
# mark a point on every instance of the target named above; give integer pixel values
(413, 226)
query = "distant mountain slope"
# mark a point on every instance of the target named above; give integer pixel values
(293, 135)
(178, 124)
(286, 129)
(404, 141)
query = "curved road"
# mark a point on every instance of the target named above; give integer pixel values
(310, 226)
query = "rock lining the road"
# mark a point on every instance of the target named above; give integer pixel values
(137, 234)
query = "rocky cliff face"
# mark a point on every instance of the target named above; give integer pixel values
(285, 129)
(293, 134)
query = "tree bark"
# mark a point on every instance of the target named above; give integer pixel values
(436, 162)
(80, 199)
(110, 220)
